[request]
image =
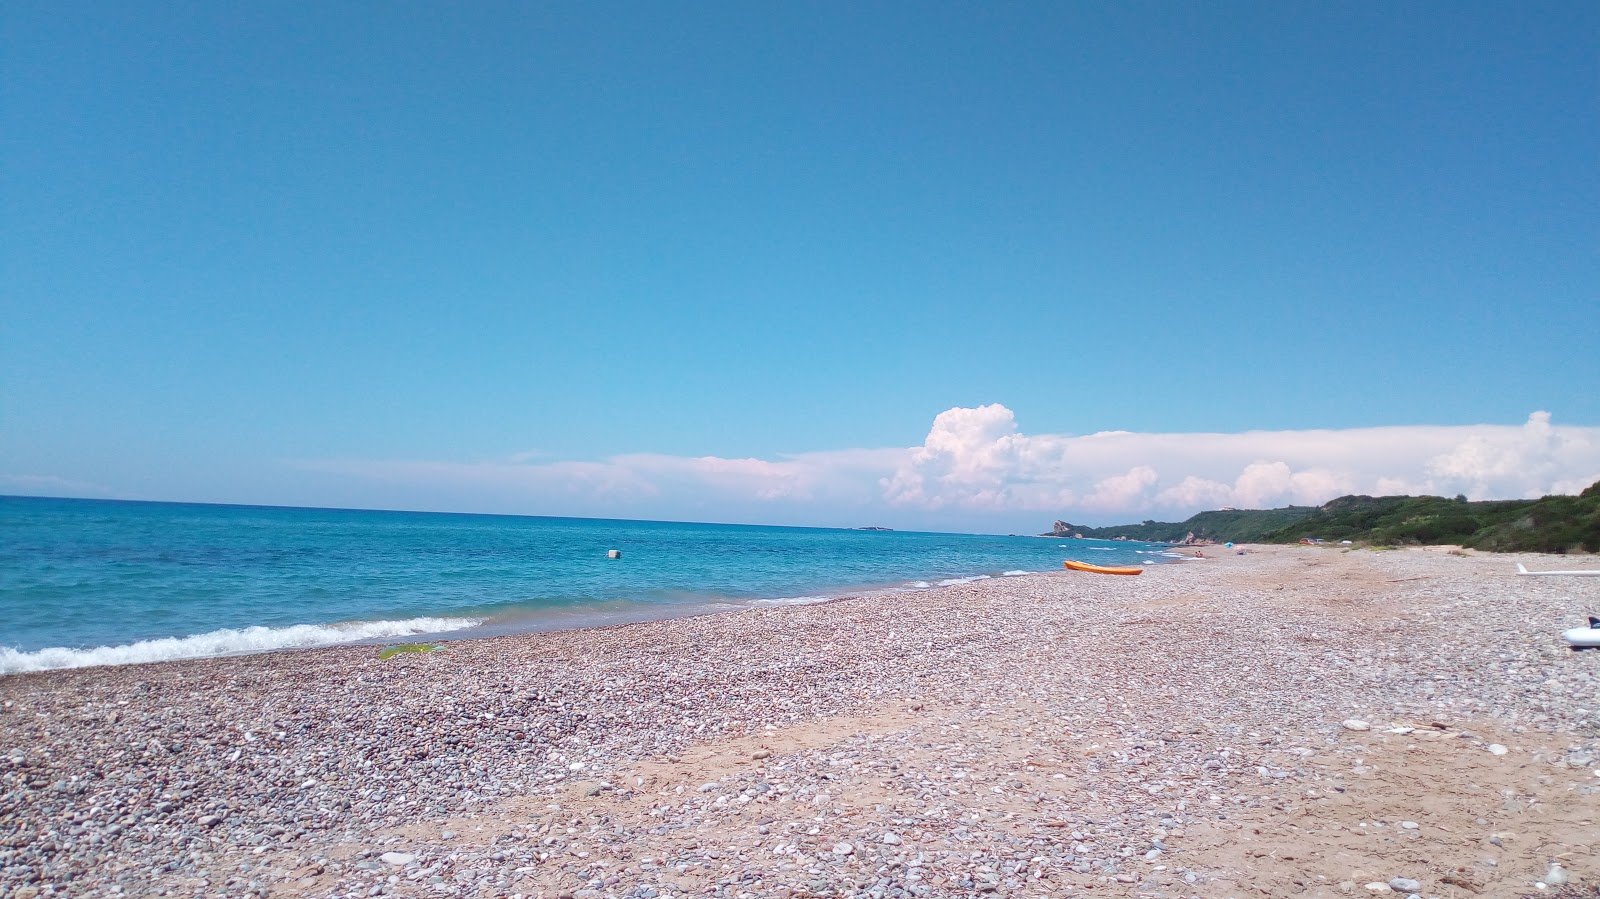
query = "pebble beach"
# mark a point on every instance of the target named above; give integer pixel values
(1312, 721)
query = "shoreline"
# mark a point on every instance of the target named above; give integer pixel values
(1016, 736)
(531, 621)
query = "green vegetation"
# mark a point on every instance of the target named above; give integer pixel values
(389, 652)
(1553, 524)
(1227, 525)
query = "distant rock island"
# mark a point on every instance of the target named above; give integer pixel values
(872, 527)
(1552, 524)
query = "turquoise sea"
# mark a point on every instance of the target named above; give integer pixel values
(95, 582)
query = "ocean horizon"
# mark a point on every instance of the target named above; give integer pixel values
(106, 582)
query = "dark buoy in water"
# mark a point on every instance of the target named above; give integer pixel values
(614, 554)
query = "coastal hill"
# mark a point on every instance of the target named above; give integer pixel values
(1554, 524)
(1236, 525)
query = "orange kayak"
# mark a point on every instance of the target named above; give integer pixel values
(1099, 569)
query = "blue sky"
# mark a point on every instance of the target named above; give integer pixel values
(422, 256)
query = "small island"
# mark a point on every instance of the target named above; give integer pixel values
(872, 527)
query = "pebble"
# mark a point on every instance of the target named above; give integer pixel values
(1497, 749)
(1556, 876)
(1356, 724)
(943, 712)
(1404, 885)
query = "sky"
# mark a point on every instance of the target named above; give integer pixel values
(954, 266)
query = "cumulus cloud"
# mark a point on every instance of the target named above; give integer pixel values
(977, 466)
(979, 459)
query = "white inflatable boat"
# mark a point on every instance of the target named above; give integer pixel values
(1584, 637)
(1523, 570)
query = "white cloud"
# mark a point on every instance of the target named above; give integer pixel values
(50, 485)
(976, 468)
(978, 459)
(1123, 491)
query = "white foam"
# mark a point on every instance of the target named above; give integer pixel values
(1015, 573)
(792, 601)
(227, 641)
(918, 585)
(951, 582)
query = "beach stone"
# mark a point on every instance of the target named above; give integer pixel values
(1378, 886)
(1556, 876)
(843, 849)
(1355, 724)
(1404, 885)
(1497, 749)
(507, 724)
(397, 858)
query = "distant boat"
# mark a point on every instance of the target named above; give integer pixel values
(1098, 569)
(1523, 570)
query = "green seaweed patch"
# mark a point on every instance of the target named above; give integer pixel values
(389, 652)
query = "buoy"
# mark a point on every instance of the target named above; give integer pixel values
(614, 554)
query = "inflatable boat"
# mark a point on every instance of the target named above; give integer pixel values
(1099, 569)
(1579, 573)
(1584, 637)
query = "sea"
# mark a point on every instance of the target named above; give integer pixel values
(98, 582)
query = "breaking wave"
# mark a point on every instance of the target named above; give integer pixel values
(227, 641)
(951, 582)
(793, 600)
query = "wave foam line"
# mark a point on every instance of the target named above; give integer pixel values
(955, 581)
(793, 601)
(226, 641)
